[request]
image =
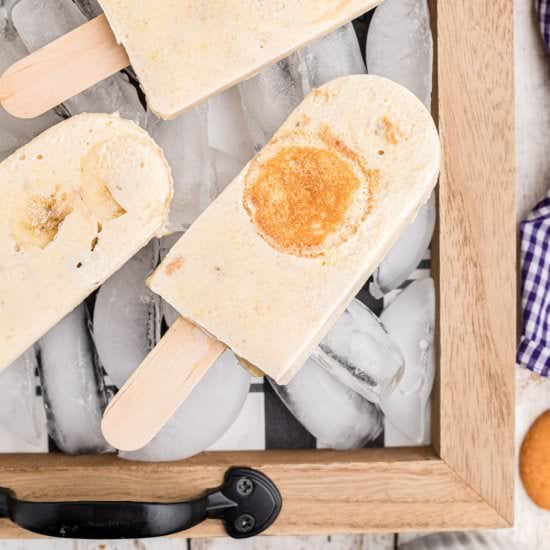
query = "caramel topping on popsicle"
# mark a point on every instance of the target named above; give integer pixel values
(393, 133)
(300, 197)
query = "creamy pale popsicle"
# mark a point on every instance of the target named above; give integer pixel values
(183, 51)
(274, 261)
(77, 202)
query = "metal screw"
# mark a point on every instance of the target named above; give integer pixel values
(244, 486)
(245, 523)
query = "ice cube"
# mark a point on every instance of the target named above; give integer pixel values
(269, 97)
(336, 415)
(206, 148)
(15, 132)
(168, 314)
(90, 8)
(400, 45)
(204, 416)
(72, 396)
(39, 22)
(359, 352)
(226, 169)
(248, 431)
(410, 320)
(21, 411)
(228, 138)
(8, 144)
(406, 254)
(336, 54)
(227, 131)
(167, 242)
(127, 316)
(127, 323)
(185, 144)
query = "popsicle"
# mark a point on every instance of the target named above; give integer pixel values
(183, 51)
(77, 202)
(273, 262)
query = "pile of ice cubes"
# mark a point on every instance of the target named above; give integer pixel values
(370, 373)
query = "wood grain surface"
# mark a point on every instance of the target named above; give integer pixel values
(333, 542)
(477, 246)
(370, 490)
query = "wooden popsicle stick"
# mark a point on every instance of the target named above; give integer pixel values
(62, 69)
(160, 384)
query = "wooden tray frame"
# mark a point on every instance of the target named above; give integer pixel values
(465, 480)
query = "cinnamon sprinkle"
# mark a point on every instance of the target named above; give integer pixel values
(174, 265)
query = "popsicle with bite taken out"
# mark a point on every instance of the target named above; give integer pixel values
(77, 202)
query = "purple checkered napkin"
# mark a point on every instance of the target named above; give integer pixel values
(534, 347)
(543, 12)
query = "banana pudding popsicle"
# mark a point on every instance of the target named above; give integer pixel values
(77, 202)
(274, 261)
(171, 47)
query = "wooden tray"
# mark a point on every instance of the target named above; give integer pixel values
(465, 480)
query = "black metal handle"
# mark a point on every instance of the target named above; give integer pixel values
(248, 502)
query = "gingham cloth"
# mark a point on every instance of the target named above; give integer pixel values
(534, 347)
(543, 12)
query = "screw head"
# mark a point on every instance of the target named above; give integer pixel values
(244, 486)
(245, 523)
